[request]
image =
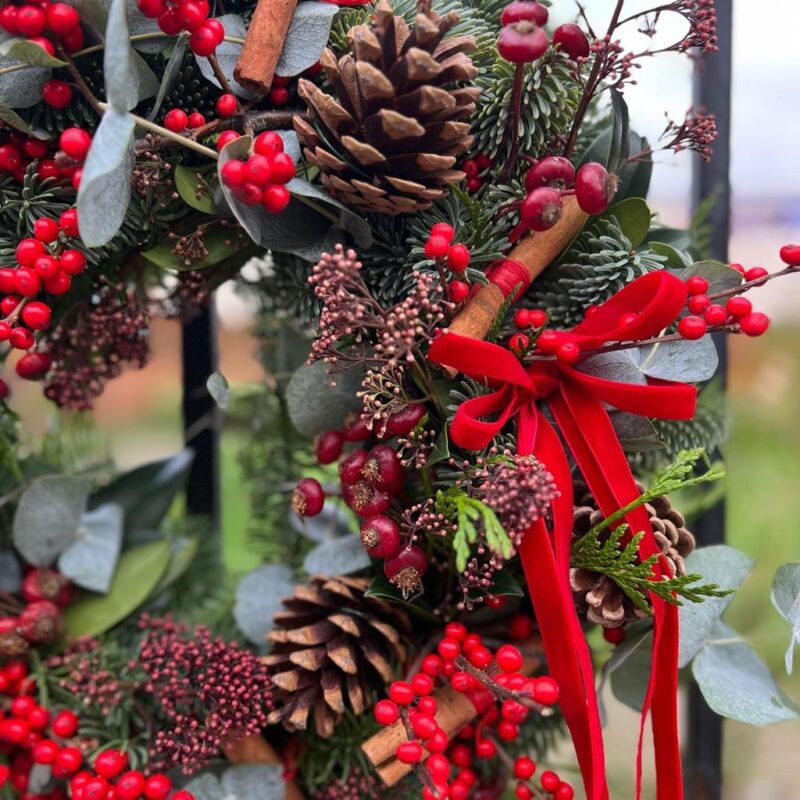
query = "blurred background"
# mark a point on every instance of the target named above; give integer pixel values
(139, 414)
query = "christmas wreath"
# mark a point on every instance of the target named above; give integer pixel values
(489, 366)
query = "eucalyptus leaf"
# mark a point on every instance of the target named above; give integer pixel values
(146, 492)
(291, 144)
(332, 522)
(27, 52)
(688, 361)
(47, 518)
(736, 683)
(122, 82)
(21, 87)
(219, 389)
(786, 599)
(105, 189)
(620, 366)
(14, 120)
(628, 669)
(94, 14)
(720, 276)
(138, 573)
(227, 55)
(308, 384)
(254, 782)
(91, 559)
(675, 258)
(187, 182)
(10, 572)
(341, 556)
(206, 787)
(306, 38)
(170, 73)
(258, 598)
(40, 779)
(636, 434)
(717, 564)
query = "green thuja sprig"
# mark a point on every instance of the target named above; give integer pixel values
(619, 560)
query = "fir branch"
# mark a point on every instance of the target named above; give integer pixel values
(505, 306)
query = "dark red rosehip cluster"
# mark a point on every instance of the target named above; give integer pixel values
(523, 40)
(31, 734)
(262, 178)
(45, 24)
(186, 15)
(453, 257)
(39, 619)
(475, 169)
(549, 180)
(505, 698)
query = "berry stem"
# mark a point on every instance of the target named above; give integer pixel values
(420, 771)
(745, 287)
(508, 763)
(496, 689)
(80, 83)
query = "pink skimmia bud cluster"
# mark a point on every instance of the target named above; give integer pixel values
(503, 696)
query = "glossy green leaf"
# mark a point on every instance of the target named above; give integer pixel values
(675, 258)
(188, 182)
(138, 573)
(720, 276)
(182, 553)
(221, 242)
(620, 133)
(634, 218)
(504, 585)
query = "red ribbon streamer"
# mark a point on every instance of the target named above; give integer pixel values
(576, 401)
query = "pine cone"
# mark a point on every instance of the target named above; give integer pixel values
(606, 604)
(388, 141)
(330, 646)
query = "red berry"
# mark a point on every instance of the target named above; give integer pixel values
(522, 318)
(170, 22)
(550, 781)
(698, 303)
(8, 19)
(39, 718)
(449, 649)
(480, 657)
(279, 96)
(754, 324)
(444, 229)
(283, 169)
(426, 704)
(226, 105)
(44, 43)
(62, 19)
(68, 761)
(404, 421)
(37, 315)
(514, 711)
(524, 10)
(386, 712)
(402, 693)
(183, 795)
(548, 171)
(471, 168)
(130, 785)
(458, 258)
(75, 142)
(456, 631)
(382, 468)
(275, 199)
(790, 255)
(350, 468)
(436, 247)
(152, 8)
(73, 262)
(545, 691)
(522, 42)
(439, 767)
(328, 445)
(258, 170)
(461, 681)
(594, 188)
(73, 41)
(45, 752)
(572, 39)
(68, 222)
(35, 148)
(405, 570)
(614, 635)
(696, 285)
(380, 537)
(423, 725)
(192, 14)
(509, 658)
(692, 327)
(41, 622)
(541, 208)
(519, 344)
(157, 787)
(755, 274)
(738, 307)
(715, 315)
(485, 748)
(739, 268)
(226, 137)
(31, 367)
(308, 498)
(10, 159)
(409, 752)
(217, 28)
(564, 792)
(28, 282)
(507, 730)
(57, 93)
(432, 665)
(28, 250)
(423, 685)
(457, 291)
(268, 143)
(470, 642)
(176, 120)
(203, 42)
(59, 284)
(196, 120)
(8, 304)
(473, 184)
(45, 230)
(110, 763)
(524, 768)
(568, 352)
(522, 792)
(233, 173)
(365, 499)
(31, 20)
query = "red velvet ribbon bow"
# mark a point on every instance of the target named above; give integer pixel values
(576, 401)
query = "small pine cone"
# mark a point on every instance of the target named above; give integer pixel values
(330, 647)
(606, 604)
(388, 139)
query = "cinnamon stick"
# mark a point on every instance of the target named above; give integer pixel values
(454, 711)
(257, 750)
(535, 252)
(263, 44)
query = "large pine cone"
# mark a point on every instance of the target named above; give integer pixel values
(331, 646)
(605, 603)
(388, 141)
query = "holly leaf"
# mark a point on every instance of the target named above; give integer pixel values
(736, 683)
(25, 51)
(47, 518)
(786, 599)
(91, 559)
(259, 597)
(138, 573)
(105, 189)
(341, 556)
(306, 38)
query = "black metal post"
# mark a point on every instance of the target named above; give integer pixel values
(200, 415)
(712, 92)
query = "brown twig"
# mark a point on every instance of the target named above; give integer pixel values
(219, 74)
(80, 83)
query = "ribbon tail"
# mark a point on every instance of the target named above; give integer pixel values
(588, 431)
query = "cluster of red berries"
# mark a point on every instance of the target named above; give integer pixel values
(550, 179)
(475, 169)
(504, 698)
(545, 341)
(44, 23)
(523, 40)
(63, 164)
(39, 618)
(455, 257)
(177, 120)
(262, 178)
(186, 15)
